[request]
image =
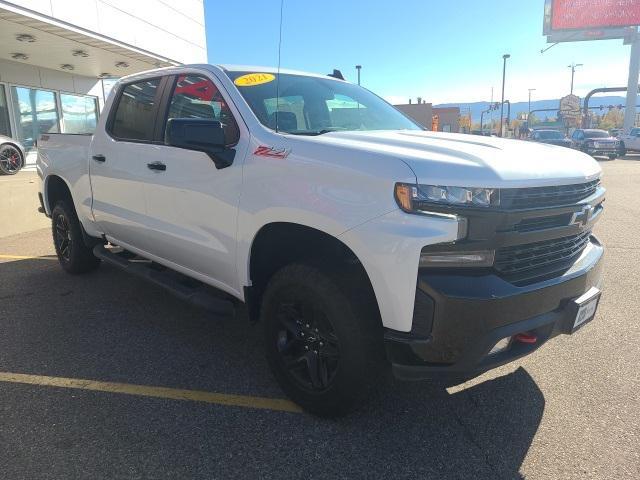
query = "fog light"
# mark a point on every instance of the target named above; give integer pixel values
(501, 346)
(457, 259)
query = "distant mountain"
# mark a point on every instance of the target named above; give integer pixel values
(478, 107)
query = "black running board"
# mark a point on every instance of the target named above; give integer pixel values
(184, 288)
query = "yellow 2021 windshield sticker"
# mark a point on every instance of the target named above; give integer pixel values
(253, 79)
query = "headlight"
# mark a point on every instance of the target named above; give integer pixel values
(417, 198)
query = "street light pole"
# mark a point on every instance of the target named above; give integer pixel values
(504, 71)
(358, 67)
(573, 67)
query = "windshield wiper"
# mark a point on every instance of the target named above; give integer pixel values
(319, 132)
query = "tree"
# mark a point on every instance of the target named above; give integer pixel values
(465, 123)
(533, 119)
(614, 118)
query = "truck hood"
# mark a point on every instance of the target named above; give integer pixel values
(472, 161)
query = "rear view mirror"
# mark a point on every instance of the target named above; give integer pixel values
(202, 135)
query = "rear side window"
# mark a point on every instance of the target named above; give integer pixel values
(195, 96)
(134, 117)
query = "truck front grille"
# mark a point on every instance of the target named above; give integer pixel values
(536, 197)
(541, 257)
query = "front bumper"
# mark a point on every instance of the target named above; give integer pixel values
(470, 311)
(602, 151)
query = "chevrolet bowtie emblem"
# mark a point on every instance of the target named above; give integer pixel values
(583, 216)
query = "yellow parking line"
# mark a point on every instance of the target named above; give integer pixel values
(28, 257)
(157, 392)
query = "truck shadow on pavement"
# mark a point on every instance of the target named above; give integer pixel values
(109, 326)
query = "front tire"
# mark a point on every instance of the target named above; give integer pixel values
(323, 338)
(74, 256)
(613, 157)
(623, 149)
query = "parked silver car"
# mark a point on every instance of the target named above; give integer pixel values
(12, 156)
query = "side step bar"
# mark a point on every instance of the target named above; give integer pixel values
(188, 290)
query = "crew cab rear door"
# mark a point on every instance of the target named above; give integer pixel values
(192, 206)
(120, 154)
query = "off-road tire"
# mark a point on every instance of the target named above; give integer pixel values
(74, 256)
(344, 298)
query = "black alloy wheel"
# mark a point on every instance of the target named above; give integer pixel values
(307, 344)
(63, 238)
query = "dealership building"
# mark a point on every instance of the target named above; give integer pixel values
(59, 58)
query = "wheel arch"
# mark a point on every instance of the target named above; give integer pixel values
(277, 244)
(56, 188)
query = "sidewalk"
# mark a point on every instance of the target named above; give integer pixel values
(19, 197)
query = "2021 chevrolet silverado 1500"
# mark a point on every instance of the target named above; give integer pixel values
(357, 238)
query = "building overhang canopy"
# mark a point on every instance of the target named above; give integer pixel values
(38, 40)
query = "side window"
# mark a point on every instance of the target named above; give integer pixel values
(196, 96)
(134, 115)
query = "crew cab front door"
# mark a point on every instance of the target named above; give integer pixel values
(192, 206)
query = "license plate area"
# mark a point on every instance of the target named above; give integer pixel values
(583, 309)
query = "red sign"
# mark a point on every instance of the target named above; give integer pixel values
(585, 14)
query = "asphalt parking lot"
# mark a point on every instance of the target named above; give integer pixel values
(105, 376)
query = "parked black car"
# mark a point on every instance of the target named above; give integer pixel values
(596, 143)
(552, 137)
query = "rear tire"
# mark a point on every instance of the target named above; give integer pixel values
(74, 256)
(323, 337)
(11, 159)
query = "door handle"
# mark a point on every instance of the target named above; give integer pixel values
(159, 166)
(99, 158)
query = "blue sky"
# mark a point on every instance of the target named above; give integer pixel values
(447, 51)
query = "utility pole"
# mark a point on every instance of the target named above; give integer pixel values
(632, 86)
(358, 67)
(504, 71)
(573, 67)
(528, 114)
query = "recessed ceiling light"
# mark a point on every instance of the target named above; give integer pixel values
(67, 66)
(25, 37)
(122, 65)
(104, 75)
(80, 53)
(20, 56)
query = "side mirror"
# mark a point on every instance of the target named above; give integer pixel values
(202, 135)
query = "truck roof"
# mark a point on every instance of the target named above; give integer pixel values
(234, 68)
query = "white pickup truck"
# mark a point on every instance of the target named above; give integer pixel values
(359, 240)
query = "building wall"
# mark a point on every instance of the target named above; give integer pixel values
(172, 29)
(33, 76)
(17, 75)
(448, 116)
(420, 112)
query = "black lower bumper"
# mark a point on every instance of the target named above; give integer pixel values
(472, 311)
(605, 152)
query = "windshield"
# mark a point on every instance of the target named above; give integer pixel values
(551, 135)
(313, 106)
(596, 134)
